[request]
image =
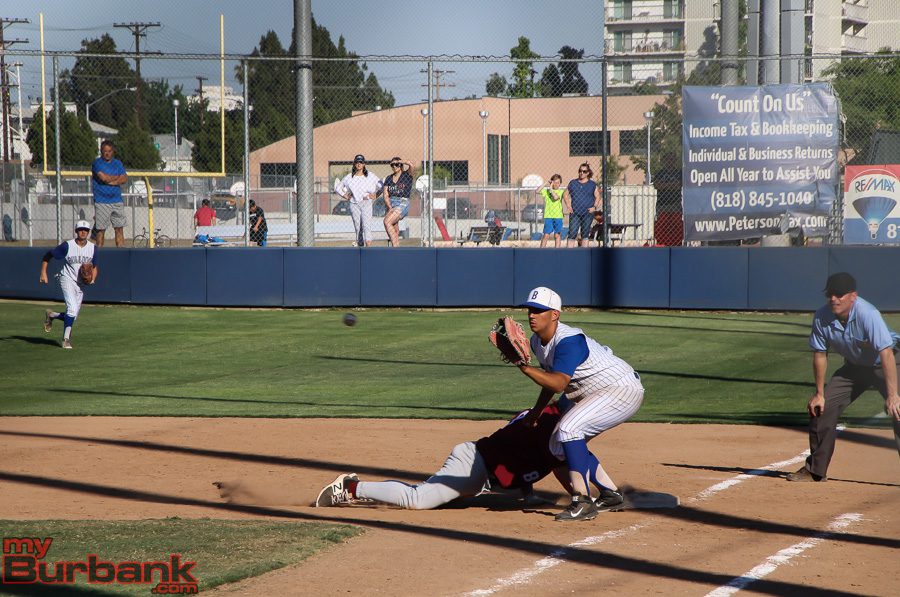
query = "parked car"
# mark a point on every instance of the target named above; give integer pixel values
(533, 212)
(342, 208)
(459, 208)
(225, 205)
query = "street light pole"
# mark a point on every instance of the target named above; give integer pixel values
(87, 107)
(648, 116)
(484, 116)
(424, 112)
(175, 104)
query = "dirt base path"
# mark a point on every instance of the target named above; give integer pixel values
(735, 521)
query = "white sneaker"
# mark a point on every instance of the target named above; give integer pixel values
(48, 321)
(336, 493)
(67, 344)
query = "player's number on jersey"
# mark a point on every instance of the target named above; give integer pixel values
(531, 477)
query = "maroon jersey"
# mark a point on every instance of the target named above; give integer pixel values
(518, 456)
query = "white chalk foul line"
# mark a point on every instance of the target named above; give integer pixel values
(838, 525)
(558, 556)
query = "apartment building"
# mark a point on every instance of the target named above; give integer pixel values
(656, 40)
(847, 27)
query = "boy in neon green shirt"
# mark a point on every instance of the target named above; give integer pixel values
(553, 210)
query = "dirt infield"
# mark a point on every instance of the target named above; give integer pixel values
(734, 518)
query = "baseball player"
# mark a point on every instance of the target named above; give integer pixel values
(513, 457)
(599, 389)
(74, 252)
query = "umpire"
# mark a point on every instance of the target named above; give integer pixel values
(853, 328)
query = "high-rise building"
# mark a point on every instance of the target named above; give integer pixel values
(846, 27)
(657, 39)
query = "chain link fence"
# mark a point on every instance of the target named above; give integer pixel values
(487, 133)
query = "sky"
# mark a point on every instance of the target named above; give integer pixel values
(409, 28)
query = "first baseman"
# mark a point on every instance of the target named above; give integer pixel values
(514, 457)
(599, 389)
(74, 252)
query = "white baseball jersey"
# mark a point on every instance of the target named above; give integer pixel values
(598, 372)
(604, 390)
(73, 257)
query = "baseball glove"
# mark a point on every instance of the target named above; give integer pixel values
(86, 273)
(509, 338)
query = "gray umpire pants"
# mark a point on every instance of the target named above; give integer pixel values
(845, 386)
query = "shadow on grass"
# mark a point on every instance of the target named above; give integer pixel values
(590, 324)
(765, 473)
(488, 411)
(737, 319)
(599, 559)
(39, 340)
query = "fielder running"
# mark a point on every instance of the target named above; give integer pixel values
(599, 389)
(75, 253)
(513, 457)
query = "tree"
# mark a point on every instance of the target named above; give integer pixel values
(572, 80)
(207, 152)
(867, 89)
(135, 147)
(79, 148)
(340, 87)
(496, 85)
(523, 72)
(551, 82)
(614, 169)
(93, 77)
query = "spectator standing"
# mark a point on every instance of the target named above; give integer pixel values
(553, 210)
(205, 216)
(259, 228)
(107, 177)
(853, 328)
(362, 188)
(582, 198)
(397, 189)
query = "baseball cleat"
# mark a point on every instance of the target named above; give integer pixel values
(48, 321)
(804, 475)
(609, 501)
(336, 493)
(66, 344)
(581, 508)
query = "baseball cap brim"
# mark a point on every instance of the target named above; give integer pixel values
(533, 305)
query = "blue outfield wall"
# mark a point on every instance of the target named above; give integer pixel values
(733, 278)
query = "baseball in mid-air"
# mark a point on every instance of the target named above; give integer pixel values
(349, 319)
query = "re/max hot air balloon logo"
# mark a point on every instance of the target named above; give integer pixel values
(874, 195)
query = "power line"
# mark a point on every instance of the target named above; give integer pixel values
(138, 29)
(4, 81)
(437, 82)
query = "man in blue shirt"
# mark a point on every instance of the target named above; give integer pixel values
(108, 175)
(853, 328)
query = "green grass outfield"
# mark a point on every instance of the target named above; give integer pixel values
(170, 361)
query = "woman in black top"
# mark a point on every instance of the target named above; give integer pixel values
(397, 188)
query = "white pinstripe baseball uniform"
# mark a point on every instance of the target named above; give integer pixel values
(603, 392)
(73, 257)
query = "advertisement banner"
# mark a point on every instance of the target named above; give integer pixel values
(759, 160)
(872, 205)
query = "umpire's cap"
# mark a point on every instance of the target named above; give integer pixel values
(840, 284)
(543, 298)
(82, 225)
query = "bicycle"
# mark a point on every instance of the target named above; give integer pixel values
(142, 240)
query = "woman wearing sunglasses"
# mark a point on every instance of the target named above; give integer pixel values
(397, 188)
(582, 198)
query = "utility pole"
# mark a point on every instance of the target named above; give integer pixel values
(437, 82)
(199, 90)
(137, 29)
(4, 81)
